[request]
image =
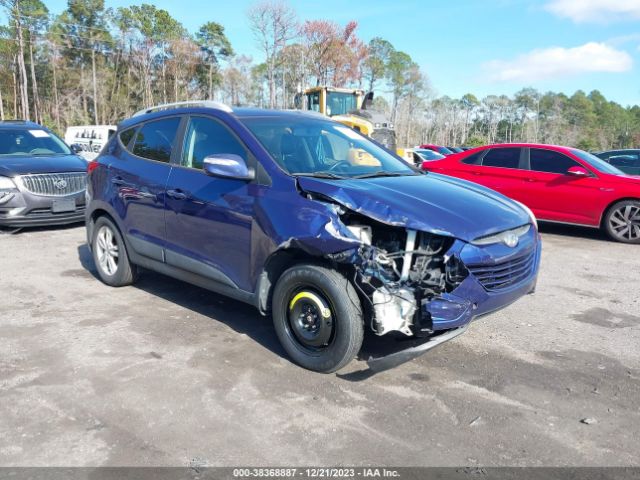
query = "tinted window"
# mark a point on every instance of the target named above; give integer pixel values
(126, 136)
(550, 161)
(473, 159)
(155, 139)
(31, 142)
(208, 137)
(625, 160)
(502, 157)
(629, 164)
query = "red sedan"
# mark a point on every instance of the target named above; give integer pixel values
(559, 184)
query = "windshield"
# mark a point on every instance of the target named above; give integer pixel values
(596, 162)
(339, 103)
(316, 147)
(31, 142)
(444, 151)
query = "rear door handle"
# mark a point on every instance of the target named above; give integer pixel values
(177, 194)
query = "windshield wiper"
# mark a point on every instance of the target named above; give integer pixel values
(382, 173)
(320, 175)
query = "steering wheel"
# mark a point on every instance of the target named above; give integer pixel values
(339, 163)
(36, 151)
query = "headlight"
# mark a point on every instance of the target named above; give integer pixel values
(533, 218)
(7, 184)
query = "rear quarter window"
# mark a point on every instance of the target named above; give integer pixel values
(127, 135)
(502, 157)
(475, 159)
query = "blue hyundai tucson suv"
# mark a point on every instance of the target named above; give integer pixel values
(310, 222)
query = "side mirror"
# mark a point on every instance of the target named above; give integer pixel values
(76, 148)
(578, 172)
(227, 165)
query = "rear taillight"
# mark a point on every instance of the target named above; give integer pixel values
(91, 166)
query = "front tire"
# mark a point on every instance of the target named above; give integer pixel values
(622, 222)
(110, 255)
(318, 317)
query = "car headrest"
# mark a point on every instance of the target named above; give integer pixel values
(288, 144)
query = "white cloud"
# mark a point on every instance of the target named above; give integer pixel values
(599, 11)
(557, 62)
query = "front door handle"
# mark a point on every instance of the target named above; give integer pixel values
(177, 194)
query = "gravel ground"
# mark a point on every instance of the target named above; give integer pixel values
(167, 374)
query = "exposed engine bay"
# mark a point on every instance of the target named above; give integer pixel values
(398, 269)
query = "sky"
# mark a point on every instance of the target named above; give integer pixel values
(469, 46)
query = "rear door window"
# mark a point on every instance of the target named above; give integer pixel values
(155, 140)
(474, 159)
(549, 161)
(502, 157)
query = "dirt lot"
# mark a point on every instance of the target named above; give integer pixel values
(165, 373)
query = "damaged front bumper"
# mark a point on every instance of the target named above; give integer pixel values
(498, 276)
(386, 362)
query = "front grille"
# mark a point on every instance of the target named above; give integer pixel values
(55, 184)
(47, 212)
(504, 274)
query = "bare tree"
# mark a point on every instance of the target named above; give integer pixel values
(15, 13)
(274, 24)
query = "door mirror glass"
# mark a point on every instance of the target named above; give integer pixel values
(227, 165)
(578, 172)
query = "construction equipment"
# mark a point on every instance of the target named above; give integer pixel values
(350, 107)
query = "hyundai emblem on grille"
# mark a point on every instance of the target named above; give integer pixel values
(510, 240)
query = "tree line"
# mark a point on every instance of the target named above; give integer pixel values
(96, 65)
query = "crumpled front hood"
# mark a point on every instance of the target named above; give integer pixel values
(22, 165)
(433, 203)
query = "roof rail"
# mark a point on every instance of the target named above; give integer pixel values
(190, 103)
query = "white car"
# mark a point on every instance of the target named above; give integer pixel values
(88, 140)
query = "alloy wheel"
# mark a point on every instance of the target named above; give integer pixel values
(624, 222)
(107, 250)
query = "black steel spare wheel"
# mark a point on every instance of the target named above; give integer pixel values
(317, 317)
(310, 320)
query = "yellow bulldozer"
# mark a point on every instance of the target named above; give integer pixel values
(350, 107)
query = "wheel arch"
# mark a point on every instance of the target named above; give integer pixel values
(91, 222)
(280, 261)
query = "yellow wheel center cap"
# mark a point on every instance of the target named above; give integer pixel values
(313, 298)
